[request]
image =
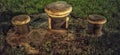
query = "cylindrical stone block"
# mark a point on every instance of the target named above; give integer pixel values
(95, 24)
(58, 15)
(20, 23)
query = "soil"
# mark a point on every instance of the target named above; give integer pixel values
(75, 42)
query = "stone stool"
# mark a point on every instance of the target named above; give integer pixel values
(58, 15)
(21, 24)
(23, 36)
(21, 29)
(95, 24)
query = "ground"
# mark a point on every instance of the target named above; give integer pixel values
(80, 43)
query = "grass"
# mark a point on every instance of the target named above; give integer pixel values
(106, 45)
(81, 8)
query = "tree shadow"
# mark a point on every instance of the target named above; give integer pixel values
(108, 44)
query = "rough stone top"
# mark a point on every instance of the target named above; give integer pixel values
(20, 20)
(58, 8)
(96, 19)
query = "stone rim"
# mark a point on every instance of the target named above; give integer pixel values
(91, 19)
(20, 20)
(59, 13)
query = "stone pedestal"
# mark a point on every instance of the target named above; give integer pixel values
(58, 15)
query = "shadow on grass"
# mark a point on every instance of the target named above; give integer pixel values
(108, 44)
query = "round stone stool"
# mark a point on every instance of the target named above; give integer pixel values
(95, 24)
(21, 29)
(20, 23)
